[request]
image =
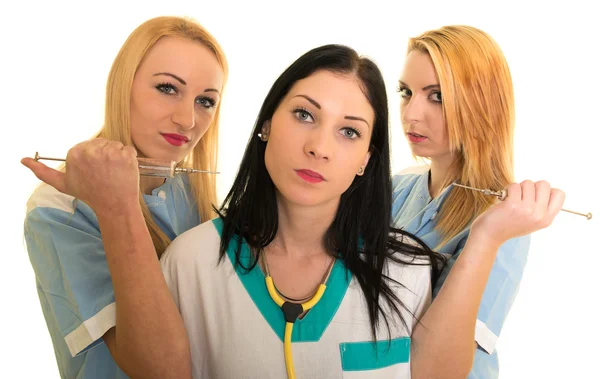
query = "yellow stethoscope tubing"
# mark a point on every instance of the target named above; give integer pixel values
(289, 326)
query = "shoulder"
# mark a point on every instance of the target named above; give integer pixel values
(408, 176)
(195, 244)
(192, 258)
(411, 279)
(47, 208)
(407, 261)
(413, 170)
(46, 196)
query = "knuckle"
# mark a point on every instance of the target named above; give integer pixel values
(97, 142)
(129, 151)
(542, 184)
(117, 145)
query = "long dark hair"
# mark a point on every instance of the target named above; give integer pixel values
(360, 235)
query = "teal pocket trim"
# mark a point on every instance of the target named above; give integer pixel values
(361, 356)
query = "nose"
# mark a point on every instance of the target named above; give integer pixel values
(412, 111)
(320, 143)
(185, 116)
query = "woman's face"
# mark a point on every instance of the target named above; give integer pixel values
(421, 108)
(319, 138)
(174, 95)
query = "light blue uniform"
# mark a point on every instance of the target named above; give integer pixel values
(413, 210)
(72, 276)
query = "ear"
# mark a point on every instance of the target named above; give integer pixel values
(361, 171)
(264, 131)
(266, 128)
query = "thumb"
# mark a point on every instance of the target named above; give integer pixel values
(55, 178)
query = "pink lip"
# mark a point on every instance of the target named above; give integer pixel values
(175, 139)
(310, 176)
(415, 138)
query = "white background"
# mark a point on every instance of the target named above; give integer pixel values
(56, 56)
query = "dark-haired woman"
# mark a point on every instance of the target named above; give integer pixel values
(301, 274)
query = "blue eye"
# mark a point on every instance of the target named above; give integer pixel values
(350, 133)
(303, 115)
(206, 102)
(167, 88)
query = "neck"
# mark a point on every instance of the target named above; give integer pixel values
(148, 183)
(301, 228)
(440, 168)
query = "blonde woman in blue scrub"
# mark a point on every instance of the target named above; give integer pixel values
(457, 111)
(162, 102)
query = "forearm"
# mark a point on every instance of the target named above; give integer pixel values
(150, 339)
(443, 342)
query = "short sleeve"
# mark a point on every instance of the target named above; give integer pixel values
(413, 287)
(423, 289)
(169, 270)
(179, 263)
(500, 291)
(67, 256)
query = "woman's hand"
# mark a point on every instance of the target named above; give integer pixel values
(104, 174)
(528, 207)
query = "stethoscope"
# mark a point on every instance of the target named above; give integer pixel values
(291, 312)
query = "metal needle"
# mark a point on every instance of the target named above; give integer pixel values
(502, 194)
(182, 170)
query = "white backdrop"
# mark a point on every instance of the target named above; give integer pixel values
(56, 56)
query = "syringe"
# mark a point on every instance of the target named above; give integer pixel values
(501, 195)
(150, 167)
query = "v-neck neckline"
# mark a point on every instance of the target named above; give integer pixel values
(312, 326)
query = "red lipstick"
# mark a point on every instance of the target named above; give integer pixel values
(310, 176)
(415, 138)
(175, 139)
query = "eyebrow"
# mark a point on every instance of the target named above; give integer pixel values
(183, 81)
(426, 88)
(314, 102)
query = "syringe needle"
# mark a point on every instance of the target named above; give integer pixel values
(162, 169)
(185, 170)
(471, 188)
(587, 215)
(502, 194)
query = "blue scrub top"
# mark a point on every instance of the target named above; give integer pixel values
(72, 277)
(415, 211)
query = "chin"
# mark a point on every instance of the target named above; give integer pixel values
(419, 153)
(176, 156)
(300, 196)
(308, 198)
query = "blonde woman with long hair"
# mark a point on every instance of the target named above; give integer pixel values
(457, 111)
(163, 100)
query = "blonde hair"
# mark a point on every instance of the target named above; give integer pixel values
(479, 112)
(117, 122)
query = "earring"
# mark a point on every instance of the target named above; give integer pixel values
(361, 170)
(263, 136)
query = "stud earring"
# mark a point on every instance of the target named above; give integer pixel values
(361, 170)
(263, 136)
